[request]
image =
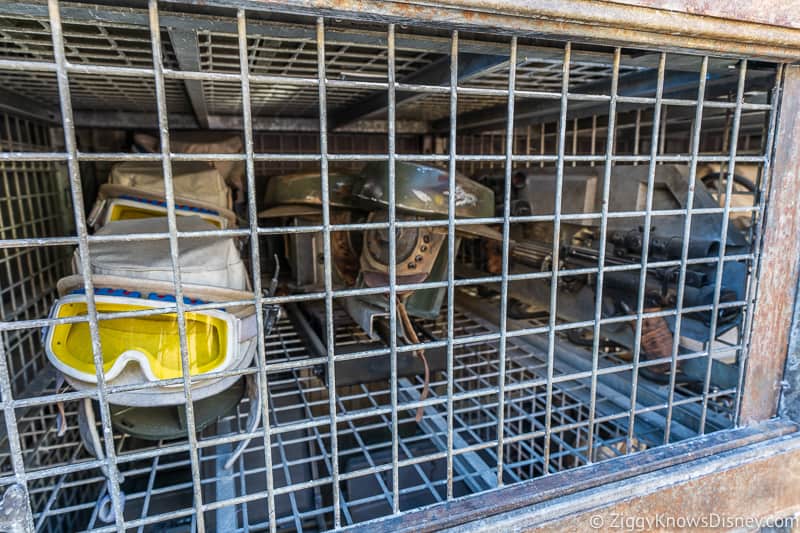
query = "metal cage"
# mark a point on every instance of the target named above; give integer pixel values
(520, 412)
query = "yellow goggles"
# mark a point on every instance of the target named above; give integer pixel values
(124, 208)
(151, 341)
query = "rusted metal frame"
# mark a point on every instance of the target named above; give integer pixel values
(778, 270)
(768, 134)
(513, 499)
(187, 52)
(790, 398)
(778, 14)
(590, 21)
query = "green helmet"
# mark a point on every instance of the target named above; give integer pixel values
(305, 189)
(422, 190)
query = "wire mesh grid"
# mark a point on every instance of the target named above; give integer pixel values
(509, 404)
(301, 455)
(87, 43)
(31, 201)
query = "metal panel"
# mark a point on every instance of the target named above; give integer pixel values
(751, 487)
(533, 503)
(623, 25)
(772, 322)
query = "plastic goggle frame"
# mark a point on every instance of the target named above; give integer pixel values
(236, 331)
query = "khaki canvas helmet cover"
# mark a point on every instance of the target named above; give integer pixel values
(209, 261)
(201, 142)
(211, 270)
(192, 180)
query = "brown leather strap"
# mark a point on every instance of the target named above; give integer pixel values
(412, 336)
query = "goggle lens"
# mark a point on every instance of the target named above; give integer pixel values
(155, 337)
(119, 211)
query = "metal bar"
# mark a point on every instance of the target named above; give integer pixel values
(187, 52)
(509, 149)
(687, 226)
(633, 90)
(780, 249)
(14, 443)
(70, 143)
(255, 256)
(172, 224)
(651, 176)
(328, 264)
(87, 118)
(467, 463)
(121, 157)
(25, 106)
(562, 130)
(723, 242)
(391, 99)
(601, 258)
(451, 255)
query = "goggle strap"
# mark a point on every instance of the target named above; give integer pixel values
(253, 420)
(163, 204)
(248, 328)
(97, 210)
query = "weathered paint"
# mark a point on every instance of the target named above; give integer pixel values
(584, 20)
(779, 265)
(749, 483)
(783, 13)
(481, 512)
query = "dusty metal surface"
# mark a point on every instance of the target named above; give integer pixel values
(790, 399)
(782, 13)
(479, 512)
(779, 267)
(628, 25)
(730, 490)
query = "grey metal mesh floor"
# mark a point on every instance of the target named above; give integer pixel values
(158, 483)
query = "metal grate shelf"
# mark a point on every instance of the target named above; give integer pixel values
(157, 486)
